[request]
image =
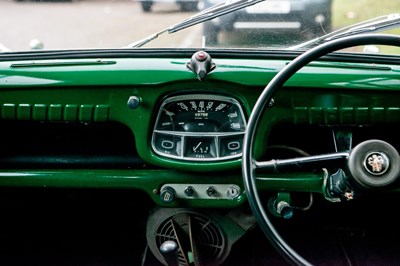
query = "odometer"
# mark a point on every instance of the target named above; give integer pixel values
(203, 120)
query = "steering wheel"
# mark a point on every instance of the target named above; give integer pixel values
(359, 172)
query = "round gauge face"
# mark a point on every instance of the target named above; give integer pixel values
(199, 127)
(201, 115)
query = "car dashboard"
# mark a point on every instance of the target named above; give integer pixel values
(168, 144)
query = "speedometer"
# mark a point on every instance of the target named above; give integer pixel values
(199, 127)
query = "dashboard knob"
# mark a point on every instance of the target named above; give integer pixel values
(284, 209)
(211, 191)
(134, 102)
(167, 194)
(189, 191)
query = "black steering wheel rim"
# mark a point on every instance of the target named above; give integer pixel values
(248, 162)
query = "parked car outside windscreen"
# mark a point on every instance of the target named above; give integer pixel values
(307, 18)
(184, 5)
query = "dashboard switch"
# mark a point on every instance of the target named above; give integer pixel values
(133, 102)
(189, 191)
(211, 191)
(167, 194)
(284, 209)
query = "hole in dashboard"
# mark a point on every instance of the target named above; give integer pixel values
(314, 139)
(40, 145)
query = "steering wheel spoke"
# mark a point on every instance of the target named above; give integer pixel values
(315, 161)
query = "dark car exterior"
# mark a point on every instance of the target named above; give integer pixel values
(308, 18)
(184, 5)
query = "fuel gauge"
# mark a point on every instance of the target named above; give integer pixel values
(200, 147)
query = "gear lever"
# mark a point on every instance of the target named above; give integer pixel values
(169, 251)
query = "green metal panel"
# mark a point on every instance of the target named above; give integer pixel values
(150, 71)
(85, 91)
(151, 181)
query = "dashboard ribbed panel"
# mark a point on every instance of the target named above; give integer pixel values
(55, 112)
(72, 145)
(345, 115)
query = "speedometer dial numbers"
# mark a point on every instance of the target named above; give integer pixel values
(199, 127)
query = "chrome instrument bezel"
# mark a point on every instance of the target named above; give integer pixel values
(184, 136)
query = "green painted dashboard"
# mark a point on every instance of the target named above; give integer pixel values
(65, 121)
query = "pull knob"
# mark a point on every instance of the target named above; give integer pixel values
(134, 102)
(284, 209)
(211, 191)
(169, 251)
(167, 194)
(189, 191)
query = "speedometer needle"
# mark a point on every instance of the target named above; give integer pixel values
(169, 113)
(198, 145)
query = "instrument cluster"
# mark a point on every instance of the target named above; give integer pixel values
(200, 127)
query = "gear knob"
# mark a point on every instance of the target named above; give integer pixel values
(169, 251)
